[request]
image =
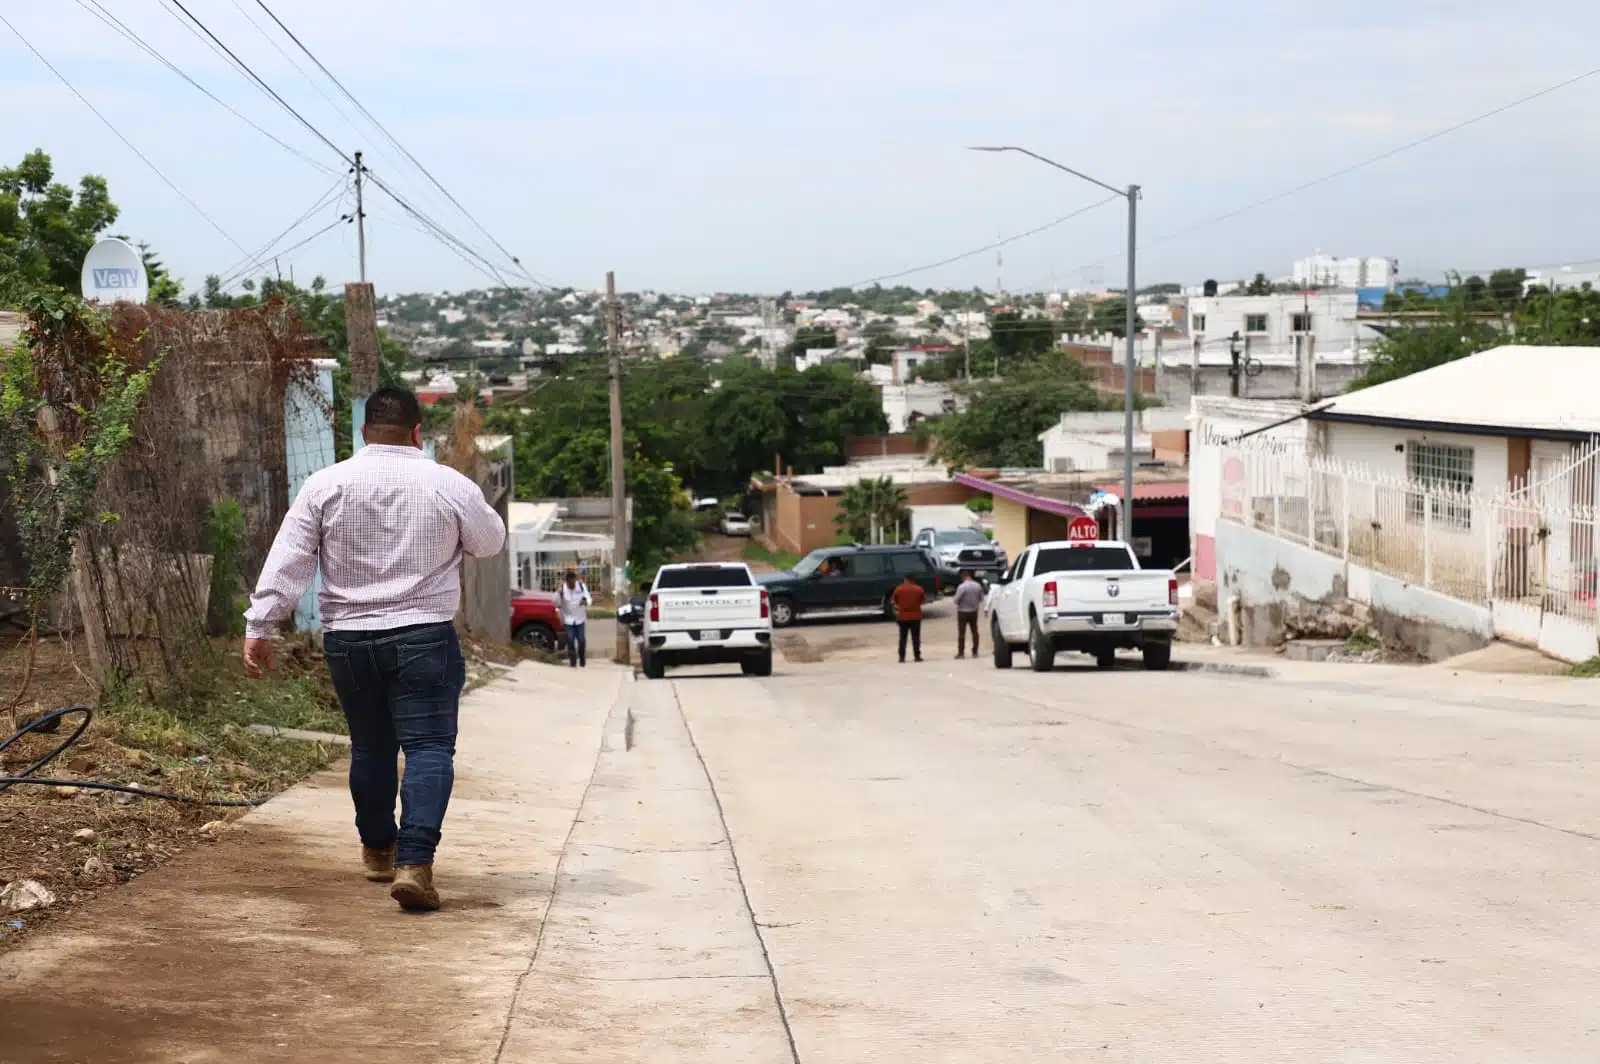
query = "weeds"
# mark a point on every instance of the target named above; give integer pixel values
(1586, 669)
(1361, 642)
(781, 560)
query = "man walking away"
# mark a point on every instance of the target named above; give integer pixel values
(908, 599)
(388, 528)
(968, 599)
(573, 599)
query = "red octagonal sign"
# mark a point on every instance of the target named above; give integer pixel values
(1083, 530)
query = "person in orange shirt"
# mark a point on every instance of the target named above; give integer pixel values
(908, 599)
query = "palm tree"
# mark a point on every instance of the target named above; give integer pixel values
(874, 511)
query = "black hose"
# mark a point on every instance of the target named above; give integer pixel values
(50, 722)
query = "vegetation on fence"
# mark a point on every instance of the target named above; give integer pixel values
(68, 397)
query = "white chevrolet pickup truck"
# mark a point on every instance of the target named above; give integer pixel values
(706, 614)
(1086, 596)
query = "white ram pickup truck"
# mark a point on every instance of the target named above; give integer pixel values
(706, 614)
(1087, 596)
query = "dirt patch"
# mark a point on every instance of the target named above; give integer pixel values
(795, 648)
(254, 949)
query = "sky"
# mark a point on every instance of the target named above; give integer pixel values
(771, 145)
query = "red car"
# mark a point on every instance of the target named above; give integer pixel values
(536, 622)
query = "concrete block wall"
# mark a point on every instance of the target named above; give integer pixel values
(1268, 587)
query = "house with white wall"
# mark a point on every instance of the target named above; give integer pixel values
(1458, 505)
(1482, 424)
(906, 404)
(1275, 324)
(1353, 271)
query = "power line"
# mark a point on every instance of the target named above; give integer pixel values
(118, 133)
(440, 232)
(401, 147)
(260, 256)
(1353, 167)
(255, 78)
(343, 219)
(985, 248)
(98, 10)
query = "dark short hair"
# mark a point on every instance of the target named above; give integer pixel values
(966, 572)
(393, 407)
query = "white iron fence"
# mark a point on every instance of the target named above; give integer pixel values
(1529, 553)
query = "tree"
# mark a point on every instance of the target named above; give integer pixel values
(874, 511)
(1506, 286)
(1260, 286)
(1017, 338)
(46, 229)
(806, 338)
(1003, 418)
(880, 349)
(1410, 349)
(1111, 315)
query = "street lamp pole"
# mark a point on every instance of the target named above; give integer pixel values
(1131, 194)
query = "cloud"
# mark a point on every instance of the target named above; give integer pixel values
(765, 144)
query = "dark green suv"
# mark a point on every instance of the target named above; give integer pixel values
(840, 580)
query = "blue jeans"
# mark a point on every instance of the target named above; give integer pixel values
(400, 689)
(578, 644)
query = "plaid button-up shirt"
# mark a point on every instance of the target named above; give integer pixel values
(388, 527)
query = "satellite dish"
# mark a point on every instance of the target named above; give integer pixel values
(113, 272)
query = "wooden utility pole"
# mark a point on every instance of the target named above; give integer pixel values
(619, 480)
(361, 220)
(361, 326)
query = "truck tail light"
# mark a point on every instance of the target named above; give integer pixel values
(655, 608)
(766, 605)
(1172, 590)
(1050, 594)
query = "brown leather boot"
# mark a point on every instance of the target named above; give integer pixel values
(378, 863)
(413, 888)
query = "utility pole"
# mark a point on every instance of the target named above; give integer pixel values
(1126, 522)
(361, 220)
(619, 484)
(361, 330)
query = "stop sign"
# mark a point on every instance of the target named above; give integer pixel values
(1083, 530)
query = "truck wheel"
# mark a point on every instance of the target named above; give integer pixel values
(761, 666)
(1041, 654)
(1002, 649)
(1157, 656)
(1106, 658)
(654, 668)
(538, 637)
(782, 613)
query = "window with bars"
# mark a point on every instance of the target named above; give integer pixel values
(1199, 323)
(1446, 468)
(1255, 323)
(1300, 322)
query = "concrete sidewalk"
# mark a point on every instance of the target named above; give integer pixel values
(270, 947)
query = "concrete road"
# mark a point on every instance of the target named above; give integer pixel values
(951, 863)
(860, 861)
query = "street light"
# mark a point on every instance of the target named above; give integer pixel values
(1131, 194)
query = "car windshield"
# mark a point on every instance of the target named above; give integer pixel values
(809, 563)
(1081, 559)
(703, 576)
(961, 536)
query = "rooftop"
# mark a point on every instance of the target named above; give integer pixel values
(1505, 389)
(1065, 493)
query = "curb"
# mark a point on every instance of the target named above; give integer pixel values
(1259, 672)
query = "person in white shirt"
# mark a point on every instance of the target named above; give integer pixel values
(388, 529)
(573, 600)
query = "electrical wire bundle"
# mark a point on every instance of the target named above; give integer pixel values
(50, 723)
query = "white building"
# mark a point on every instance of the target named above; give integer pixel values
(1332, 271)
(1274, 323)
(1561, 280)
(1092, 441)
(906, 404)
(452, 316)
